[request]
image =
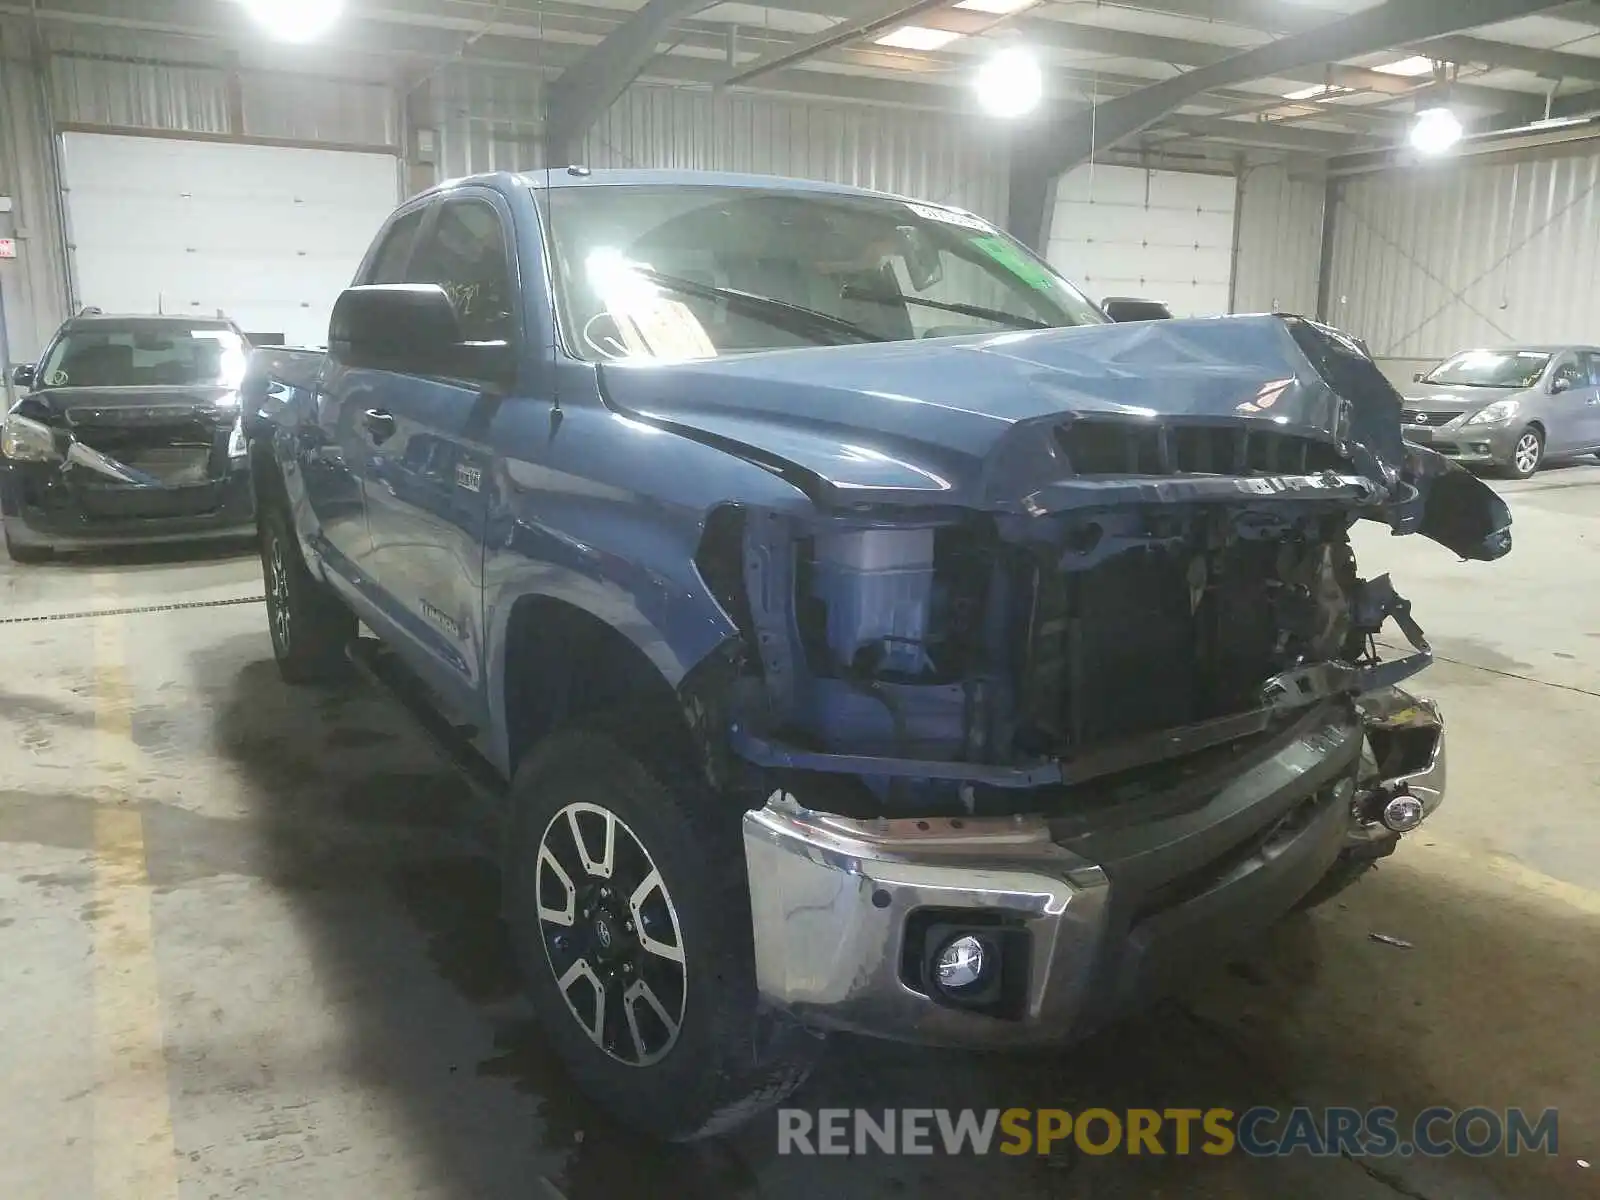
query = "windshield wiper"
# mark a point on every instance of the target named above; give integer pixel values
(796, 318)
(853, 292)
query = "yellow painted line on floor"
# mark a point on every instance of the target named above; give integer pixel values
(134, 1150)
(1516, 873)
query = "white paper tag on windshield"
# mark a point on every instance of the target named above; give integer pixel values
(965, 220)
(664, 329)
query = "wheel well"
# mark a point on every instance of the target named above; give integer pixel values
(563, 664)
(1539, 425)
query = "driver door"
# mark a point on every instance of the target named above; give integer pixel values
(334, 448)
(1569, 420)
(1586, 392)
(429, 476)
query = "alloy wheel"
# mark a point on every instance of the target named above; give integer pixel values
(611, 934)
(278, 594)
(1526, 454)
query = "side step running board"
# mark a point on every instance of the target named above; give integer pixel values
(381, 667)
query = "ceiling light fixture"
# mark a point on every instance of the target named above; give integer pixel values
(996, 8)
(1417, 64)
(918, 37)
(1436, 130)
(295, 20)
(1010, 84)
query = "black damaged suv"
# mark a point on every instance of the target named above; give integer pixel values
(128, 431)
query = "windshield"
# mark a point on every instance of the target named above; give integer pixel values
(1491, 368)
(697, 272)
(145, 354)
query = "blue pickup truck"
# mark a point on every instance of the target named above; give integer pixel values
(861, 630)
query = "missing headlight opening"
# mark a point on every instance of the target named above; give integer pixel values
(957, 659)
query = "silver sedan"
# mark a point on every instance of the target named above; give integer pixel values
(1508, 408)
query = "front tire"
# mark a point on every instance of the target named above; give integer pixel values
(1527, 456)
(310, 628)
(628, 905)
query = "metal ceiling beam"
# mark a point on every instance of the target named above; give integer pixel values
(1576, 104)
(838, 35)
(1269, 135)
(1585, 12)
(410, 46)
(1123, 43)
(582, 92)
(1394, 22)
(1552, 64)
(1269, 16)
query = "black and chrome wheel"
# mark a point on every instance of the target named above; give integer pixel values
(629, 908)
(309, 626)
(611, 934)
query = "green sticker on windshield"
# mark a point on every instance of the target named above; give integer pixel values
(1015, 261)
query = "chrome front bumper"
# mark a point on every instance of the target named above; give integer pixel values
(1113, 913)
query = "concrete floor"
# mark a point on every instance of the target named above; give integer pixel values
(249, 946)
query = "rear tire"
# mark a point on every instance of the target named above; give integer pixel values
(28, 554)
(310, 627)
(620, 860)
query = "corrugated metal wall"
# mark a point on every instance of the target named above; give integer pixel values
(136, 79)
(488, 120)
(928, 156)
(146, 81)
(491, 121)
(1428, 261)
(33, 285)
(304, 108)
(1278, 251)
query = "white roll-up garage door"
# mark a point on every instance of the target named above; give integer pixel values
(1159, 235)
(267, 234)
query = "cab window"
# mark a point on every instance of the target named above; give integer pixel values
(465, 253)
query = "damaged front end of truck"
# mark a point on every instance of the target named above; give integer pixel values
(1022, 761)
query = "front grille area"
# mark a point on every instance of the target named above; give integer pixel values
(1096, 446)
(177, 447)
(1412, 416)
(1147, 641)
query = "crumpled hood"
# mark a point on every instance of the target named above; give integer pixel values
(974, 422)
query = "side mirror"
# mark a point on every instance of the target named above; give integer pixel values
(1561, 383)
(411, 328)
(1131, 308)
(1419, 377)
(23, 376)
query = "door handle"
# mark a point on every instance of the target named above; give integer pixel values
(380, 424)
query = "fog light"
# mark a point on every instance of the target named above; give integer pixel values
(961, 963)
(1403, 813)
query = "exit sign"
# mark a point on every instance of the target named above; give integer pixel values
(8, 247)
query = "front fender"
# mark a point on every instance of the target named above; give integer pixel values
(652, 596)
